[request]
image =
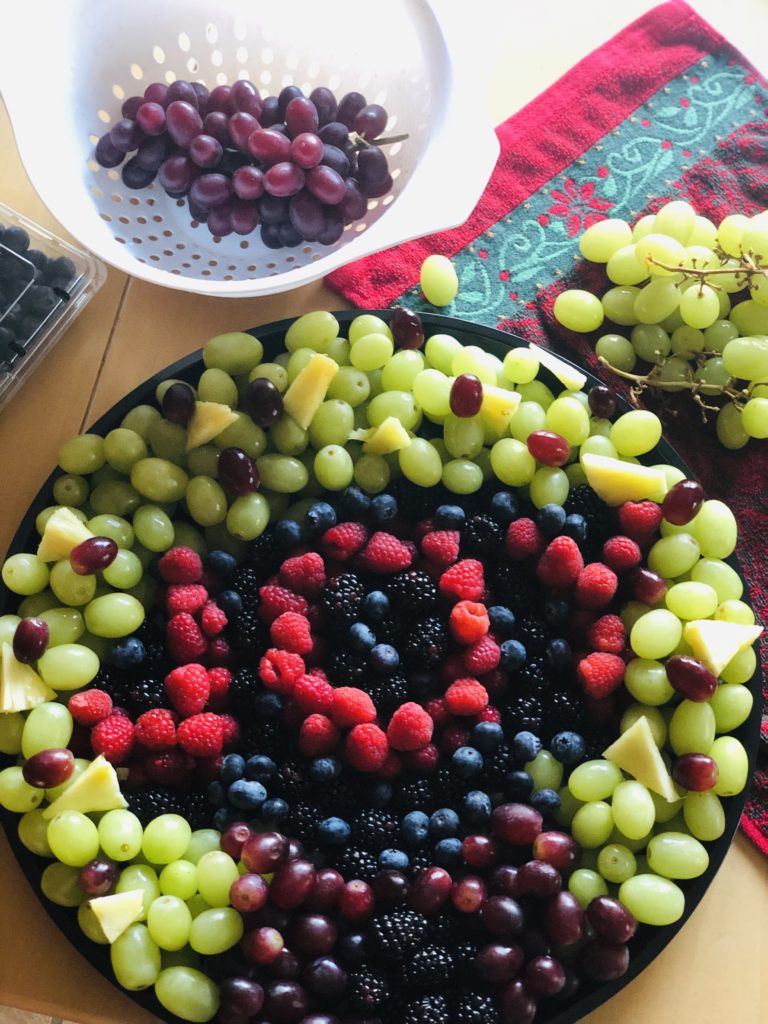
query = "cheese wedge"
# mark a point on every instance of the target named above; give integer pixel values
(716, 643)
(636, 753)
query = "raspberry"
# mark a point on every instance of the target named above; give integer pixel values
(639, 519)
(437, 710)
(230, 732)
(366, 748)
(495, 682)
(392, 767)
(168, 768)
(464, 580)
(213, 620)
(218, 651)
(219, 680)
(410, 727)
(453, 737)
(452, 668)
(304, 574)
(441, 546)
(342, 542)
(318, 735)
(156, 729)
(469, 622)
(187, 597)
(483, 656)
(561, 563)
(281, 670)
(188, 689)
(466, 697)
(274, 600)
(90, 706)
(183, 638)
(600, 673)
(489, 714)
(312, 695)
(596, 585)
(523, 539)
(352, 707)
(290, 631)
(181, 565)
(607, 635)
(385, 553)
(202, 735)
(621, 553)
(422, 762)
(113, 737)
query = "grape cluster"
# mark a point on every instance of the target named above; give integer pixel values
(692, 297)
(300, 167)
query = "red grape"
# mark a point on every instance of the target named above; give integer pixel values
(301, 116)
(697, 772)
(286, 1002)
(247, 893)
(647, 586)
(246, 98)
(682, 502)
(326, 184)
(430, 889)
(270, 112)
(326, 890)
(502, 916)
(248, 182)
(518, 1006)
(98, 876)
(216, 124)
(372, 168)
(469, 894)
(286, 965)
(336, 159)
(265, 852)
(151, 153)
(325, 977)
(48, 768)
(269, 146)
(106, 153)
(479, 851)
(334, 133)
(563, 919)
(177, 173)
(691, 677)
(236, 472)
(150, 117)
(602, 402)
(262, 945)
(504, 880)
(611, 919)
(286, 94)
(156, 92)
(391, 887)
(220, 99)
(357, 901)
(516, 824)
(350, 106)
(178, 403)
(125, 135)
(306, 215)
(313, 934)
(539, 879)
(242, 996)
(30, 640)
(205, 150)
(600, 960)
(183, 92)
(284, 179)
(333, 229)
(292, 883)
(234, 838)
(325, 104)
(548, 448)
(370, 121)
(219, 220)
(307, 150)
(466, 395)
(544, 976)
(211, 189)
(241, 127)
(134, 175)
(93, 555)
(497, 963)
(558, 849)
(263, 402)
(355, 203)
(407, 328)
(184, 121)
(130, 107)
(374, 190)
(243, 216)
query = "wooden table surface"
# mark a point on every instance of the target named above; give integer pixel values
(714, 970)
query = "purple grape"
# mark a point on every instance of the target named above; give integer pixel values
(177, 173)
(374, 191)
(269, 146)
(136, 176)
(270, 236)
(301, 116)
(98, 876)
(350, 106)
(232, 160)
(242, 995)
(244, 216)
(334, 133)
(325, 104)
(289, 236)
(184, 122)
(220, 99)
(273, 209)
(241, 127)
(306, 215)
(205, 150)
(107, 154)
(307, 150)
(150, 117)
(333, 229)
(130, 107)
(270, 112)
(248, 182)
(178, 403)
(201, 91)
(198, 212)
(335, 158)
(216, 124)
(285, 179)
(125, 135)
(372, 168)
(219, 220)
(324, 977)
(211, 189)
(407, 328)
(263, 402)
(290, 92)
(371, 121)
(246, 97)
(326, 184)
(182, 91)
(30, 640)
(151, 153)
(157, 92)
(355, 203)
(48, 768)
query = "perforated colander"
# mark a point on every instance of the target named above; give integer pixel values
(65, 69)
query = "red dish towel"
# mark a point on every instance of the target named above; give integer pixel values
(666, 109)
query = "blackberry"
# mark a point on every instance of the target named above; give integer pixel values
(426, 643)
(197, 810)
(481, 535)
(430, 1009)
(340, 600)
(464, 954)
(114, 682)
(420, 859)
(262, 737)
(303, 821)
(414, 502)
(563, 711)
(475, 1008)
(368, 989)
(429, 967)
(601, 520)
(156, 658)
(346, 668)
(449, 788)
(355, 862)
(243, 690)
(513, 587)
(411, 592)
(249, 635)
(375, 830)
(532, 678)
(524, 713)
(246, 582)
(341, 798)
(413, 795)
(152, 801)
(389, 693)
(497, 764)
(533, 633)
(145, 694)
(393, 1010)
(442, 927)
(292, 782)
(264, 554)
(398, 933)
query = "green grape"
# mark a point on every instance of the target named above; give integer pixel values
(61, 885)
(719, 334)
(691, 600)
(599, 427)
(140, 419)
(168, 441)
(333, 467)
(616, 863)
(72, 837)
(755, 236)
(700, 257)
(735, 611)
(114, 615)
(704, 815)
(586, 886)
(687, 340)
(677, 855)
(656, 721)
(568, 806)
(652, 900)
(473, 359)
(578, 310)
(82, 455)
(72, 666)
(36, 604)
(596, 444)
(243, 433)
(741, 667)
(729, 427)
(206, 501)
(656, 301)
(676, 220)
(372, 473)
(660, 248)
(751, 318)
(527, 418)
(49, 725)
(569, 418)
(371, 352)
(204, 840)
(120, 834)
(399, 404)
(15, 794)
(154, 528)
(203, 461)
(655, 634)
(338, 350)
(65, 625)
(732, 762)
(270, 371)
(179, 878)
(699, 306)
(521, 365)
(282, 359)
(483, 460)
(421, 463)
(619, 304)
(77, 769)
(633, 809)
(123, 448)
(216, 385)
(754, 418)
(724, 580)
(159, 479)
(11, 729)
(715, 530)
(187, 993)
(42, 518)
(438, 280)
(643, 227)
(747, 358)
(549, 486)
(116, 496)
(463, 436)
(401, 370)
(600, 241)
(537, 391)
(169, 922)
(25, 574)
(119, 529)
(592, 824)
(731, 704)
(332, 423)
(125, 572)
(617, 351)
(314, 330)
(215, 930)
(140, 876)
(288, 437)
(440, 350)
(636, 432)
(730, 232)
(674, 371)
(692, 728)
(625, 268)
(248, 516)
(135, 958)
(650, 342)
(216, 871)
(234, 352)
(431, 391)
(674, 555)
(461, 476)
(512, 463)
(70, 489)
(89, 924)
(282, 473)
(545, 770)
(594, 780)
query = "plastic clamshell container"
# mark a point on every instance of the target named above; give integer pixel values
(44, 284)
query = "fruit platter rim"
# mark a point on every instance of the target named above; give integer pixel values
(653, 939)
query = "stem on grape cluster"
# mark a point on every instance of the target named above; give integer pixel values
(697, 388)
(361, 143)
(749, 267)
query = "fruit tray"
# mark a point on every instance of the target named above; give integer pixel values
(648, 941)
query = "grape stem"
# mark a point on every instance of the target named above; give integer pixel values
(696, 386)
(361, 143)
(749, 268)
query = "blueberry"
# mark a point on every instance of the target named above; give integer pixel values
(324, 769)
(518, 785)
(476, 808)
(525, 746)
(288, 533)
(246, 795)
(502, 621)
(466, 761)
(223, 817)
(16, 239)
(230, 603)
(380, 794)
(216, 794)
(546, 801)
(361, 637)
(384, 658)
(487, 737)
(556, 611)
(60, 272)
(333, 832)
(260, 768)
(415, 828)
(268, 704)
(447, 853)
(320, 517)
(423, 684)
(575, 527)
(375, 607)
(274, 811)
(221, 563)
(232, 768)
(383, 508)
(568, 747)
(551, 519)
(443, 823)
(504, 507)
(513, 655)
(127, 653)
(449, 517)
(395, 860)
(355, 501)
(558, 654)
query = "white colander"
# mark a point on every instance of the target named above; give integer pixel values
(66, 66)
